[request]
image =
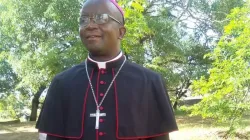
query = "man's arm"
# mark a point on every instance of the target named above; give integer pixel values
(164, 137)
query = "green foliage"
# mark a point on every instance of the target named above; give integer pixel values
(221, 9)
(163, 48)
(226, 91)
(41, 39)
(12, 107)
(8, 78)
(137, 29)
(45, 38)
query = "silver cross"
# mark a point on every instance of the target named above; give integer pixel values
(97, 115)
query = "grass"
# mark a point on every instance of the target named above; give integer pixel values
(196, 128)
(190, 128)
(20, 131)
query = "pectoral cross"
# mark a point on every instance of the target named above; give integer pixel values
(97, 115)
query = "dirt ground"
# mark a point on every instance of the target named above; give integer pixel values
(190, 129)
(22, 131)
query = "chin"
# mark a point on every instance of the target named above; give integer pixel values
(95, 49)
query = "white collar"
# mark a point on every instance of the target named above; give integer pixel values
(102, 65)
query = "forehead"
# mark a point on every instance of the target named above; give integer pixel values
(97, 7)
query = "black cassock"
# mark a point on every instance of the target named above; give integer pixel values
(137, 105)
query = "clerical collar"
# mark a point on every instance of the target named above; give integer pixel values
(103, 65)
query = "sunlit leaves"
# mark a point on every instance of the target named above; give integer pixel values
(226, 91)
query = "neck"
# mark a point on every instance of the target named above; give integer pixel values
(103, 58)
(103, 64)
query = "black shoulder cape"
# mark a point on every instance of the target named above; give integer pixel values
(143, 107)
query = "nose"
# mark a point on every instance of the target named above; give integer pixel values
(92, 25)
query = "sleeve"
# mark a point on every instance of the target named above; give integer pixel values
(149, 113)
(164, 105)
(51, 118)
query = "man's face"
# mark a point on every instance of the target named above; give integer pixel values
(100, 38)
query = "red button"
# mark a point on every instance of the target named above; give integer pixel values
(103, 71)
(102, 82)
(101, 94)
(101, 120)
(101, 133)
(101, 108)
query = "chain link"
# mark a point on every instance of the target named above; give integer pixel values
(98, 106)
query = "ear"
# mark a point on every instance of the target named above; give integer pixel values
(122, 32)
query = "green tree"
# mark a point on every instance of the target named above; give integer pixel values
(198, 24)
(8, 78)
(226, 91)
(41, 39)
(38, 39)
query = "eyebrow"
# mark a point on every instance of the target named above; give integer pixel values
(84, 14)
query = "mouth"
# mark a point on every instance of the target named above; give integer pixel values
(93, 37)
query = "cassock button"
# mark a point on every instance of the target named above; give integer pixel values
(101, 120)
(101, 133)
(101, 108)
(103, 71)
(102, 82)
(101, 94)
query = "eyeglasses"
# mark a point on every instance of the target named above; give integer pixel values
(98, 19)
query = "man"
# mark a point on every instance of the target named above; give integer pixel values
(106, 97)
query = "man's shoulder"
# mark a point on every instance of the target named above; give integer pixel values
(69, 72)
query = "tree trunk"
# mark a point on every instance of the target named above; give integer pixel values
(180, 92)
(177, 92)
(175, 105)
(35, 103)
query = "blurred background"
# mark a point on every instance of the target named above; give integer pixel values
(201, 48)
